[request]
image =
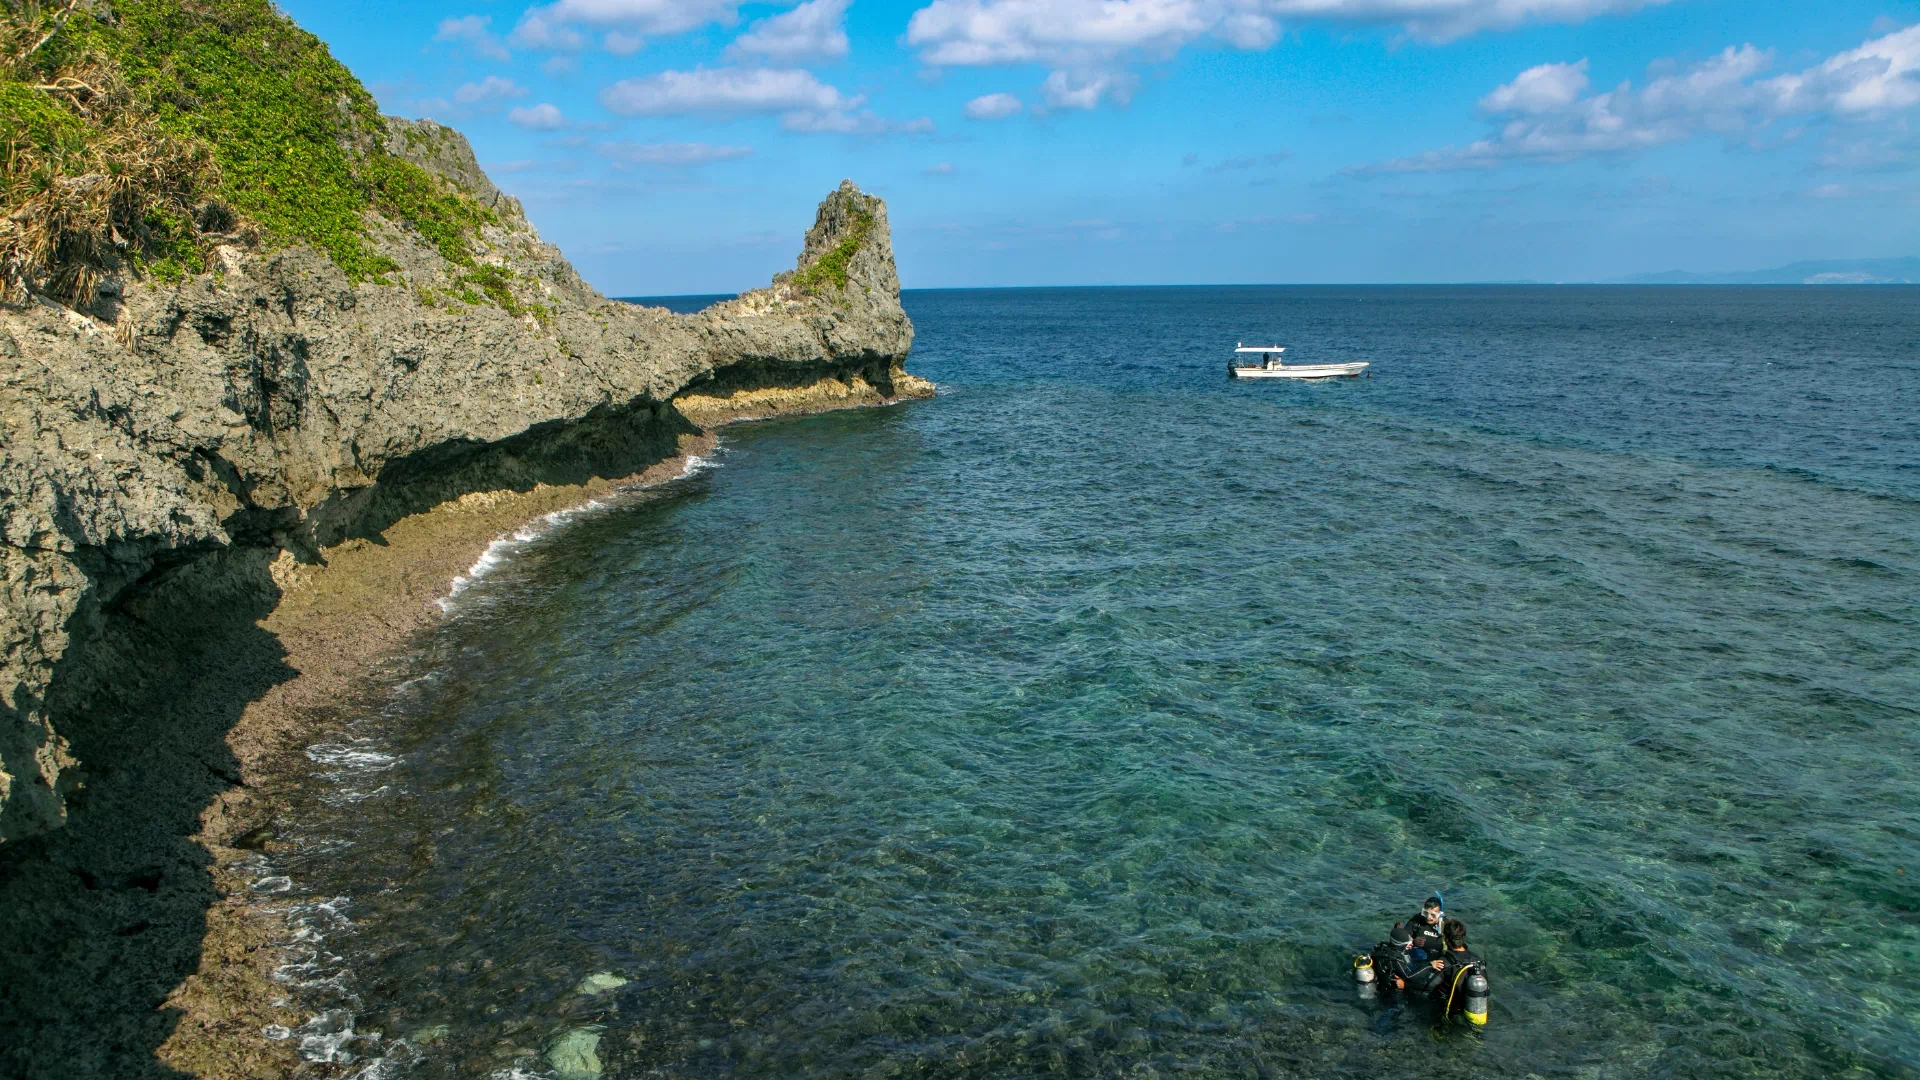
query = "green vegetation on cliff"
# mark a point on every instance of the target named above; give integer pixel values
(142, 131)
(832, 266)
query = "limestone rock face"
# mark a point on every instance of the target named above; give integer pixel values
(276, 405)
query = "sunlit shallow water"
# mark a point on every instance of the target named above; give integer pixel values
(1084, 720)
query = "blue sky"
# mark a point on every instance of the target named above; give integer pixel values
(680, 147)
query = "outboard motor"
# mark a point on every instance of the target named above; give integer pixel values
(1477, 993)
(1363, 977)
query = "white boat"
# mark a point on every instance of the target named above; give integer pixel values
(1271, 366)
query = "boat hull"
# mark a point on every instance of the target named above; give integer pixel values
(1300, 371)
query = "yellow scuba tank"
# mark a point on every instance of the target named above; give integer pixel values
(1477, 993)
(1363, 977)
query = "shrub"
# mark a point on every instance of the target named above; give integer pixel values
(89, 179)
(186, 113)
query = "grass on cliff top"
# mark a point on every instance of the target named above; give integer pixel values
(291, 140)
(832, 266)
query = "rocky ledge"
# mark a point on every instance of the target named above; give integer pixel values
(272, 409)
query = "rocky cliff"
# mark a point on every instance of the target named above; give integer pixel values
(272, 407)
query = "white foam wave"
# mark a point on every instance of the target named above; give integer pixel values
(348, 798)
(351, 757)
(504, 546)
(329, 912)
(252, 863)
(495, 554)
(519, 1070)
(327, 1036)
(399, 1059)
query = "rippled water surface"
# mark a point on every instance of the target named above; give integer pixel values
(1083, 720)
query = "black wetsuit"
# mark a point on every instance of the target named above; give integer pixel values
(1426, 981)
(1398, 965)
(1449, 988)
(1425, 935)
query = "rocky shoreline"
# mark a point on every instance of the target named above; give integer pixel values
(337, 622)
(222, 499)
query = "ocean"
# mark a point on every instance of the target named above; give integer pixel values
(1085, 720)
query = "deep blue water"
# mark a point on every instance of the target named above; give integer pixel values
(1084, 720)
(682, 304)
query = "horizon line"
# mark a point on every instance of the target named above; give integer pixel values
(1826, 285)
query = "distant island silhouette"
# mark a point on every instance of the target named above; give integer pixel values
(1808, 272)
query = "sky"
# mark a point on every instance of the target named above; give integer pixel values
(680, 146)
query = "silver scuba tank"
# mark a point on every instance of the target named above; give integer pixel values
(1477, 993)
(1363, 977)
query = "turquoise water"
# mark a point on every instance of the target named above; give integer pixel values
(1083, 720)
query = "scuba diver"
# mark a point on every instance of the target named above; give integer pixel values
(1393, 968)
(1389, 964)
(1453, 977)
(1465, 976)
(1425, 928)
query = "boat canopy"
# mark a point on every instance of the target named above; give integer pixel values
(1261, 348)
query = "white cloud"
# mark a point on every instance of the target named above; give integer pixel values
(847, 122)
(1064, 91)
(812, 31)
(805, 104)
(541, 117)
(967, 32)
(1898, 193)
(558, 66)
(1539, 89)
(1089, 38)
(536, 30)
(627, 23)
(671, 155)
(1546, 114)
(472, 29)
(944, 168)
(491, 89)
(1715, 93)
(975, 32)
(724, 90)
(1265, 221)
(1877, 76)
(992, 107)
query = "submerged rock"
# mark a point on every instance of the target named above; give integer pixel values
(599, 983)
(575, 1055)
